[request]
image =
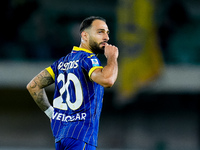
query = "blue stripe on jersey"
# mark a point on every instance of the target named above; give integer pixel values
(77, 99)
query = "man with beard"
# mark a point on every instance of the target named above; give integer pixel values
(79, 87)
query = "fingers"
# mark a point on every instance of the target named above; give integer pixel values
(109, 45)
(111, 50)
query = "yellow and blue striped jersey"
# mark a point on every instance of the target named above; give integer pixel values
(77, 99)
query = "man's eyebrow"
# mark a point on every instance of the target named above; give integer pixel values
(103, 30)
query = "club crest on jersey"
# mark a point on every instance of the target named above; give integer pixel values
(95, 62)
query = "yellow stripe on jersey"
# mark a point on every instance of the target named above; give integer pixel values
(90, 56)
(84, 146)
(75, 48)
(49, 69)
(92, 69)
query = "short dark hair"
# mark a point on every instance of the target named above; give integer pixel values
(86, 23)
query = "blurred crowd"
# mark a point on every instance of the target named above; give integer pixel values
(29, 30)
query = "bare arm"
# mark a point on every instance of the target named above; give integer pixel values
(108, 75)
(36, 89)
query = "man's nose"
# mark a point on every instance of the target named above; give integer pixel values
(106, 37)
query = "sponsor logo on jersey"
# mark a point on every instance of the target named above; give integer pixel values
(69, 118)
(95, 62)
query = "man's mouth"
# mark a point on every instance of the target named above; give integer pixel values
(103, 43)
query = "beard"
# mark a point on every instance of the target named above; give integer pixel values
(95, 47)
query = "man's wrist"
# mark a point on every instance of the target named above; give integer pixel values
(49, 112)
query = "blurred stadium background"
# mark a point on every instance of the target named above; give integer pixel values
(155, 103)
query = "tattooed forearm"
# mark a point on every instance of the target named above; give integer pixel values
(41, 99)
(36, 89)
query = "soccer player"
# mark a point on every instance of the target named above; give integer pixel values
(79, 87)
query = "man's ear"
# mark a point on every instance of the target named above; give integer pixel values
(84, 35)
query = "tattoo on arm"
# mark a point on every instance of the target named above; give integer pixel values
(42, 100)
(44, 79)
(37, 91)
(33, 84)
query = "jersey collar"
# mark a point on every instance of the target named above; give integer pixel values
(75, 48)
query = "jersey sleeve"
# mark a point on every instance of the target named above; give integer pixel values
(52, 69)
(91, 63)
